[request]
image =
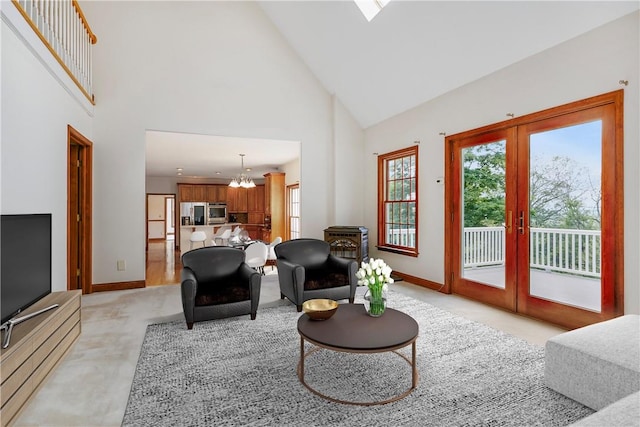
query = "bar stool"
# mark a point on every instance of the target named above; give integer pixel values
(197, 236)
(224, 237)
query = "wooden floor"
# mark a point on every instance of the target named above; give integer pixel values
(163, 264)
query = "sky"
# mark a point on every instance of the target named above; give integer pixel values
(581, 143)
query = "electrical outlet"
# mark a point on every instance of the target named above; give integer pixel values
(122, 266)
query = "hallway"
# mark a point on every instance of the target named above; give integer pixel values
(163, 264)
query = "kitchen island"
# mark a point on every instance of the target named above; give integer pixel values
(186, 230)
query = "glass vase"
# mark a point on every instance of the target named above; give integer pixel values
(375, 302)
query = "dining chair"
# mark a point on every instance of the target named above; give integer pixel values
(271, 257)
(223, 237)
(256, 256)
(197, 237)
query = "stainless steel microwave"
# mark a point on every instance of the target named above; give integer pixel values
(217, 213)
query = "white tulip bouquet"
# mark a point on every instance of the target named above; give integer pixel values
(376, 275)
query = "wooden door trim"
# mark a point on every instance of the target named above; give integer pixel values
(505, 298)
(613, 298)
(612, 225)
(86, 208)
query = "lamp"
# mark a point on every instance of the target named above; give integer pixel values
(242, 180)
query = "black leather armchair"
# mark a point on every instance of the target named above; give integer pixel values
(308, 270)
(217, 283)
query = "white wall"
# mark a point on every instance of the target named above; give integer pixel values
(349, 160)
(36, 109)
(292, 172)
(217, 68)
(585, 66)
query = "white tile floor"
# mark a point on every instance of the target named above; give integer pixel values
(91, 385)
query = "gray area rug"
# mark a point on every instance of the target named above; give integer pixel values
(238, 372)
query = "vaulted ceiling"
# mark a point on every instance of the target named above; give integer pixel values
(410, 53)
(414, 51)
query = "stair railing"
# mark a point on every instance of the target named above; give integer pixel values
(64, 30)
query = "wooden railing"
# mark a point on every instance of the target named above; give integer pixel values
(62, 27)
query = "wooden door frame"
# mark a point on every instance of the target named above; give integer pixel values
(86, 208)
(287, 226)
(504, 298)
(612, 301)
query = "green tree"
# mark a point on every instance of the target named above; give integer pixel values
(484, 184)
(557, 192)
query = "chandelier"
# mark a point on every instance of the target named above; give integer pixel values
(242, 180)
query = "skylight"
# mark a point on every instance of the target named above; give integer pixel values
(370, 8)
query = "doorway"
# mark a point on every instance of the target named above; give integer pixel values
(79, 211)
(162, 260)
(536, 207)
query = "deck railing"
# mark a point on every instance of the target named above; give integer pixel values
(550, 249)
(62, 27)
(402, 236)
(569, 251)
(483, 246)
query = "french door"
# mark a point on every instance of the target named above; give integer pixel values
(534, 209)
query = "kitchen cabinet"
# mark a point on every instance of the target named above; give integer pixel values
(217, 193)
(255, 218)
(237, 199)
(199, 193)
(185, 193)
(241, 199)
(192, 193)
(266, 235)
(231, 199)
(254, 231)
(255, 199)
(274, 202)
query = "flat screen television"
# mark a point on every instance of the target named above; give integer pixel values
(25, 261)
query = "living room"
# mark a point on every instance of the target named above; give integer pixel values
(223, 68)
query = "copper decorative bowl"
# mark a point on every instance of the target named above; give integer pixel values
(320, 309)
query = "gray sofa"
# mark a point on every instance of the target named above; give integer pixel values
(599, 366)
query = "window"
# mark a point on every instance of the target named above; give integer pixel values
(293, 211)
(398, 201)
(370, 8)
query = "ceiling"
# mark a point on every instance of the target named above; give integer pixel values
(410, 53)
(167, 151)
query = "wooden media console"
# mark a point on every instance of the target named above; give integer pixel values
(37, 346)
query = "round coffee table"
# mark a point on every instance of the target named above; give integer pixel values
(352, 330)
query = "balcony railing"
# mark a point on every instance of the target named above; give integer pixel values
(550, 249)
(62, 27)
(569, 251)
(483, 246)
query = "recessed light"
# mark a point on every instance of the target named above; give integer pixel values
(179, 169)
(218, 173)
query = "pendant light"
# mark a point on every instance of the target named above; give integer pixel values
(242, 180)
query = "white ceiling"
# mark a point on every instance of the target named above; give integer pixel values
(414, 51)
(410, 53)
(167, 151)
